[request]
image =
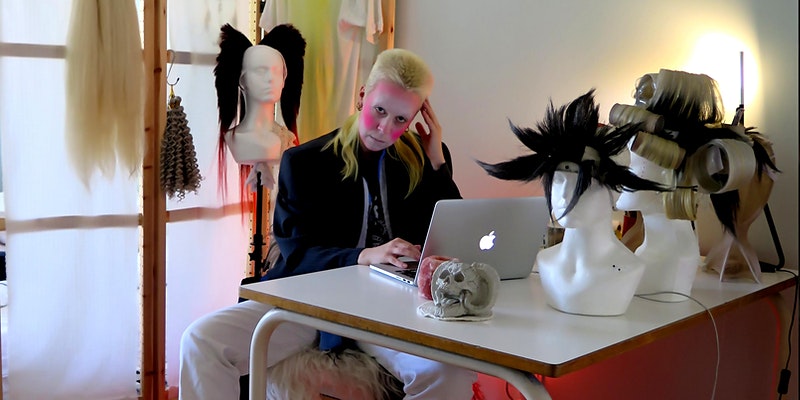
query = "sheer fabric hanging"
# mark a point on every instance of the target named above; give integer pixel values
(74, 314)
(72, 254)
(207, 253)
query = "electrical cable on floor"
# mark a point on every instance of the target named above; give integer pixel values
(786, 373)
(713, 323)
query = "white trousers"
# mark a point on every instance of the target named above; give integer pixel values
(215, 352)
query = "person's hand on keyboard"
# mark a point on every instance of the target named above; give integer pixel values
(390, 253)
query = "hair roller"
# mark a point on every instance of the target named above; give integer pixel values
(622, 114)
(681, 203)
(722, 165)
(663, 152)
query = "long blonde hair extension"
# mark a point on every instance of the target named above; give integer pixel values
(104, 88)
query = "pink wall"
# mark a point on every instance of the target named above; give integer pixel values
(752, 351)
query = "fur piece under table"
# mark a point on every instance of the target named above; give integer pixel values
(349, 374)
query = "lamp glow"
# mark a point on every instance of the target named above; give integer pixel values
(729, 61)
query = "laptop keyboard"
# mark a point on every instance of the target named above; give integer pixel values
(411, 272)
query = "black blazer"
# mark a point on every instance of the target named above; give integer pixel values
(318, 216)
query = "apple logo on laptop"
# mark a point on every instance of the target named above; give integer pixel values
(487, 241)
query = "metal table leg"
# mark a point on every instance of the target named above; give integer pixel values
(532, 389)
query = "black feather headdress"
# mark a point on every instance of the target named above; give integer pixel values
(289, 42)
(232, 45)
(571, 133)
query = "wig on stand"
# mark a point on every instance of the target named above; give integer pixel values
(230, 98)
(590, 272)
(572, 133)
(731, 164)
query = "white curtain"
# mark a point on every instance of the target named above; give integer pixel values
(206, 257)
(74, 307)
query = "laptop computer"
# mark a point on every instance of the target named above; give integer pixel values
(505, 233)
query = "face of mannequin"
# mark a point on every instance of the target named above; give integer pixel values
(262, 74)
(645, 89)
(387, 113)
(591, 207)
(647, 201)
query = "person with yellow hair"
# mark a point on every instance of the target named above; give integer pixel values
(362, 194)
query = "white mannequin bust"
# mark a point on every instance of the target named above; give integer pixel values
(590, 272)
(258, 140)
(670, 248)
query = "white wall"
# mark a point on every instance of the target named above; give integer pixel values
(505, 59)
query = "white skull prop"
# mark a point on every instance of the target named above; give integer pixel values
(464, 289)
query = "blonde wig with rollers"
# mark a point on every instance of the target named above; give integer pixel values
(692, 111)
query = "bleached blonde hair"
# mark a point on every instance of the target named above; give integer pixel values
(410, 72)
(403, 68)
(104, 88)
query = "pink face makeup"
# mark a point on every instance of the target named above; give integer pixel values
(387, 113)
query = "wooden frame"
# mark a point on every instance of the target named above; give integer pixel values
(154, 213)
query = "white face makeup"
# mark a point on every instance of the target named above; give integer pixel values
(263, 74)
(387, 113)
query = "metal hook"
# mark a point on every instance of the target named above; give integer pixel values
(171, 62)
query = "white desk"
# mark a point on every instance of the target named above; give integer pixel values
(524, 335)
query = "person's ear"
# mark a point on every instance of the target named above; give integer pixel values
(360, 101)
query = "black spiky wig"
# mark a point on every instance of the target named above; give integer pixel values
(284, 38)
(572, 133)
(692, 109)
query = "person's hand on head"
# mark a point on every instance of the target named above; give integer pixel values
(389, 253)
(431, 137)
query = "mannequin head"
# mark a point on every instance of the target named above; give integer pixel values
(263, 74)
(242, 66)
(248, 76)
(593, 206)
(647, 202)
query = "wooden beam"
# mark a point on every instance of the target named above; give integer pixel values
(154, 205)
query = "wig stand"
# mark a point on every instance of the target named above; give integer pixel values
(732, 257)
(258, 238)
(765, 266)
(731, 254)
